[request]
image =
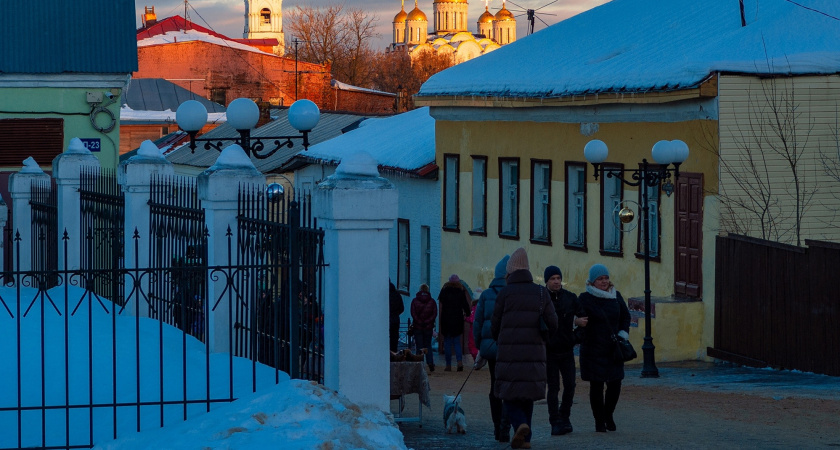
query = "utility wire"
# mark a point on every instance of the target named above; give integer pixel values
(812, 9)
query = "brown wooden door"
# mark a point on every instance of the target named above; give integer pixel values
(688, 267)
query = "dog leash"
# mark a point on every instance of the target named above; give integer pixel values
(465, 381)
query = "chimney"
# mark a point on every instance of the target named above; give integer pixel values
(149, 18)
(265, 113)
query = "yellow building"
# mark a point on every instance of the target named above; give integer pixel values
(514, 174)
(450, 35)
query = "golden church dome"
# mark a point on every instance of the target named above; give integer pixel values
(504, 14)
(486, 17)
(400, 17)
(450, 1)
(416, 14)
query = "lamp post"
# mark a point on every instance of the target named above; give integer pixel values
(664, 153)
(243, 115)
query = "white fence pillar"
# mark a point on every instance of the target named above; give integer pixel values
(357, 208)
(20, 185)
(67, 169)
(135, 176)
(218, 192)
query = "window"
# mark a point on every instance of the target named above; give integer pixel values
(509, 198)
(450, 192)
(653, 220)
(479, 195)
(425, 255)
(611, 196)
(403, 255)
(265, 14)
(576, 205)
(541, 201)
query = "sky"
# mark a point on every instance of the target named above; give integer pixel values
(228, 16)
(298, 413)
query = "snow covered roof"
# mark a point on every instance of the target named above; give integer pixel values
(404, 143)
(653, 45)
(176, 29)
(156, 100)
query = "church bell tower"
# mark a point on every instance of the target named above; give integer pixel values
(264, 20)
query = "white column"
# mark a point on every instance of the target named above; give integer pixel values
(20, 184)
(218, 191)
(135, 177)
(357, 209)
(67, 172)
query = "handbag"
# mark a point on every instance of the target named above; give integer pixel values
(624, 350)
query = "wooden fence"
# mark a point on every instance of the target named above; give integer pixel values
(777, 305)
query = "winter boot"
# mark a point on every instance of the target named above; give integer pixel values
(564, 426)
(460, 366)
(431, 367)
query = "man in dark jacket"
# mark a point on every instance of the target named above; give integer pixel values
(560, 357)
(395, 308)
(454, 308)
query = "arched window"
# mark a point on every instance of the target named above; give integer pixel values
(265, 15)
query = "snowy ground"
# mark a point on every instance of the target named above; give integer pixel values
(297, 413)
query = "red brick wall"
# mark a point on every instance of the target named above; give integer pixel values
(362, 102)
(240, 73)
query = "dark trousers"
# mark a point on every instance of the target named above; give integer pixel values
(558, 365)
(519, 412)
(423, 339)
(500, 421)
(603, 403)
(394, 336)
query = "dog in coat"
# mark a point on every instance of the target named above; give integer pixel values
(453, 415)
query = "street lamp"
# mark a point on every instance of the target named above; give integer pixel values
(664, 153)
(243, 115)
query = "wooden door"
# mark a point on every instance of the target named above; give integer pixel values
(688, 257)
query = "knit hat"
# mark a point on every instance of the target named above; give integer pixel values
(550, 271)
(518, 261)
(454, 277)
(596, 271)
(501, 267)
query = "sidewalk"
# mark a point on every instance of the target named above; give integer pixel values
(691, 405)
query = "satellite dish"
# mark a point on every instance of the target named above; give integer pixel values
(531, 14)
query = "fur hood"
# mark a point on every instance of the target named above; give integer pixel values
(454, 284)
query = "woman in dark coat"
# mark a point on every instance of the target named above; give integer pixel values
(424, 312)
(608, 315)
(454, 308)
(520, 356)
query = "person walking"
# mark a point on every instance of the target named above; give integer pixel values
(454, 308)
(560, 355)
(487, 346)
(521, 307)
(424, 311)
(608, 316)
(395, 308)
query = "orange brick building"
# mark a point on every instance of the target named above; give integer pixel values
(223, 69)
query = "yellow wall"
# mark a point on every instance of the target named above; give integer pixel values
(474, 257)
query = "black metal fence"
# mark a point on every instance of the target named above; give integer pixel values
(178, 252)
(282, 249)
(44, 204)
(102, 205)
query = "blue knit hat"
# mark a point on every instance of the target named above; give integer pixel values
(550, 271)
(501, 267)
(596, 271)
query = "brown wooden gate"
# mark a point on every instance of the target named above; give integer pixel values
(777, 305)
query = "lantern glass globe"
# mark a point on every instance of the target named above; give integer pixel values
(191, 116)
(595, 151)
(304, 115)
(243, 114)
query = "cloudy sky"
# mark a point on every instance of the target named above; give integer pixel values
(227, 16)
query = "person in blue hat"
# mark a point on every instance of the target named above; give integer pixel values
(608, 316)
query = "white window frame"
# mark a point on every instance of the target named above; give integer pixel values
(403, 255)
(541, 201)
(451, 173)
(425, 254)
(654, 220)
(612, 191)
(479, 195)
(509, 177)
(575, 237)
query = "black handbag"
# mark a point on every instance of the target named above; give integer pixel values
(624, 350)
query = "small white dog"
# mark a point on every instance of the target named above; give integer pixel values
(453, 415)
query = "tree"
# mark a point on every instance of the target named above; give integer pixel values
(396, 71)
(333, 34)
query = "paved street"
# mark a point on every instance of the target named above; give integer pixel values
(691, 405)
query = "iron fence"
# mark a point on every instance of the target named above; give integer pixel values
(44, 204)
(102, 205)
